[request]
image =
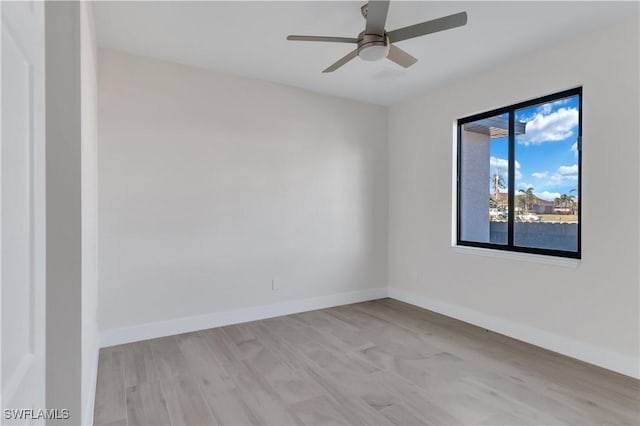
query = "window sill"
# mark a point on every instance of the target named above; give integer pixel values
(522, 257)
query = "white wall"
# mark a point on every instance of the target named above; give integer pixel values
(89, 206)
(591, 311)
(212, 185)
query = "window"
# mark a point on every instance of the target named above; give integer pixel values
(519, 170)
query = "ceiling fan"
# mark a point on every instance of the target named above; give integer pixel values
(376, 43)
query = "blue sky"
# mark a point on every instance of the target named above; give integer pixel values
(546, 155)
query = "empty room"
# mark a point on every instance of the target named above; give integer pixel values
(320, 213)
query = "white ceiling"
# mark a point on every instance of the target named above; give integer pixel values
(248, 39)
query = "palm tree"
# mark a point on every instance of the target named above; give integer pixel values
(573, 205)
(521, 201)
(564, 199)
(497, 182)
(572, 201)
(529, 197)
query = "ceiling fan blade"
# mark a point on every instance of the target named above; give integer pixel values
(429, 27)
(346, 58)
(376, 16)
(400, 57)
(321, 38)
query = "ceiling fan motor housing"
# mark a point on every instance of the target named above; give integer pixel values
(372, 47)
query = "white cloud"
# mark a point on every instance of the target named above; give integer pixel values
(498, 163)
(549, 196)
(525, 185)
(540, 175)
(568, 170)
(574, 149)
(555, 126)
(501, 165)
(558, 179)
(564, 175)
(544, 109)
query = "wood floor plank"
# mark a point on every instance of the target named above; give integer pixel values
(231, 408)
(267, 407)
(139, 364)
(399, 414)
(223, 348)
(146, 405)
(554, 374)
(353, 408)
(201, 362)
(335, 333)
(284, 351)
(423, 404)
(374, 363)
(286, 382)
(185, 403)
(319, 410)
(110, 404)
(170, 361)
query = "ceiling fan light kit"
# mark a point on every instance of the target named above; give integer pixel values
(373, 47)
(375, 43)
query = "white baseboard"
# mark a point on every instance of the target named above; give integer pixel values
(621, 363)
(152, 330)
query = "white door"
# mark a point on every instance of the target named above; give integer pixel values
(22, 211)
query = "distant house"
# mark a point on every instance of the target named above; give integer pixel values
(544, 207)
(540, 206)
(568, 208)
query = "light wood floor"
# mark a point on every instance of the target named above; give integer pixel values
(375, 363)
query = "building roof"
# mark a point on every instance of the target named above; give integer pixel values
(495, 127)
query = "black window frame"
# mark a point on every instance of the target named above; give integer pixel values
(510, 110)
